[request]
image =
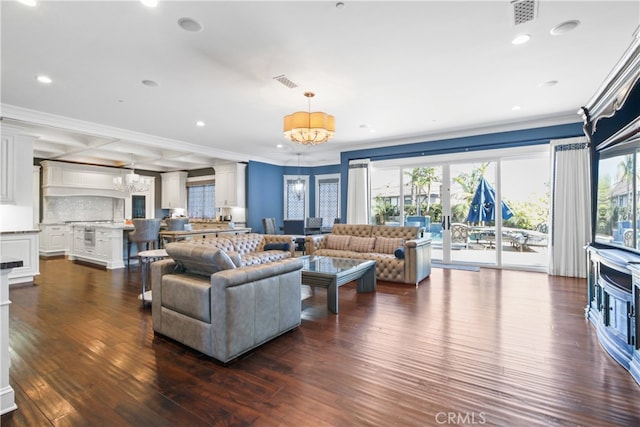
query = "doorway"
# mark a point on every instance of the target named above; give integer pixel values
(138, 206)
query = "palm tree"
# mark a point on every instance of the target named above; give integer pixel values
(420, 179)
(625, 172)
(469, 181)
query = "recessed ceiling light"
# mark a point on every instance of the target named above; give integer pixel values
(521, 39)
(279, 146)
(515, 108)
(28, 2)
(190, 24)
(548, 83)
(44, 79)
(200, 123)
(150, 83)
(564, 27)
(149, 3)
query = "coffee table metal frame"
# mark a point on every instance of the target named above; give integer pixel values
(339, 272)
(146, 258)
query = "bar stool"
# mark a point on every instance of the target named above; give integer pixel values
(145, 232)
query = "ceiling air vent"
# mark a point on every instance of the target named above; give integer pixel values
(523, 11)
(285, 81)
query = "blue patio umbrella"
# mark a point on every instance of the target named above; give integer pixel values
(482, 207)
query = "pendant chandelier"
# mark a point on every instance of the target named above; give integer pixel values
(309, 128)
(131, 182)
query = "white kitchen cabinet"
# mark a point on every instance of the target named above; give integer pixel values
(98, 244)
(174, 190)
(230, 185)
(7, 169)
(53, 239)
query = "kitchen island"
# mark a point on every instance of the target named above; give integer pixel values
(98, 243)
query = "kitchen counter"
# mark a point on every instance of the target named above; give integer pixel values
(109, 225)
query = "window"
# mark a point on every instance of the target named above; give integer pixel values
(328, 198)
(296, 204)
(617, 199)
(201, 197)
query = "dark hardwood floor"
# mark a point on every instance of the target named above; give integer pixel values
(498, 348)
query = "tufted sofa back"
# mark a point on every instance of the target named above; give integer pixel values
(405, 232)
(359, 230)
(366, 230)
(242, 243)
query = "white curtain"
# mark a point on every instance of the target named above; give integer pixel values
(358, 192)
(570, 207)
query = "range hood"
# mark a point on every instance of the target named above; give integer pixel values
(70, 179)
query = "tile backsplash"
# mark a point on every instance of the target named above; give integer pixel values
(82, 208)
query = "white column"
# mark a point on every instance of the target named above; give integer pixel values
(7, 395)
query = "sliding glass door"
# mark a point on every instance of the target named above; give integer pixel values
(489, 211)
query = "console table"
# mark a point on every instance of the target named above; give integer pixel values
(172, 236)
(613, 300)
(7, 395)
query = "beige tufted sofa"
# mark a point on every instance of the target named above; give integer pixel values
(378, 243)
(249, 249)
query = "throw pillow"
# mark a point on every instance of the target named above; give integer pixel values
(199, 259)
(277, 247)
(339, 242)
(223, 261)
(388, 245)
(362, 244)
(399, 253)
(235, 257)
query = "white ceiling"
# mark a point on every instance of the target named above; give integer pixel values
(390, 72)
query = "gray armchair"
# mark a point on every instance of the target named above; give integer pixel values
(176, 224)
(269, 225)
(313, 226)
(293, 227)
(145, 233)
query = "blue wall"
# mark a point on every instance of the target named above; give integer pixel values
(265, 185)
(265, 196)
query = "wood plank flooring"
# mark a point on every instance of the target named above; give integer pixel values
(497, 348)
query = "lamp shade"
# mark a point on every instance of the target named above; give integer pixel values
(309, 128)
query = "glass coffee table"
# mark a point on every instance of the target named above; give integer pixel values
(331, 273)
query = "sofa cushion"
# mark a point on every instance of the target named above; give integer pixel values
(187, 294)
(338, 242)
(387, 245)
(257, 258)
(362, 244)
(199, 259)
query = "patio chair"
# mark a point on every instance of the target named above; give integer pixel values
(459, 236)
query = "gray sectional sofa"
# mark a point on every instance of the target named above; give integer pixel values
(401, 255)
(225, 302)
